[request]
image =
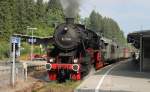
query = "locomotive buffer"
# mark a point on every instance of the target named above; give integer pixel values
(123, 76)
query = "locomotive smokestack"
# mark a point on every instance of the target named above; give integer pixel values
(69, 20)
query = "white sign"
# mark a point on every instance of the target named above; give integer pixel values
(32, 40)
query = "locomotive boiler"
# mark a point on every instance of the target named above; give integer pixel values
(76, 49)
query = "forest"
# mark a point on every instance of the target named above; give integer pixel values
(17, 15)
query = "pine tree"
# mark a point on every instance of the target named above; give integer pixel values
(54, 4)
(93, 17)
(40, 11)
(96, 22)
(20, 16)
(54, 12)
(99, 23)
(30, 12)
(5, 19)
(106, 26)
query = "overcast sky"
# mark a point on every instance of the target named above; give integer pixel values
(131, 15)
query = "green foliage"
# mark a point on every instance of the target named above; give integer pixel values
(42, 30)
(54, 12)
(25, 48)
(4, 50)
(40, 10)
(96, 21)
(5, 19)
(86, 22)
(16, 15)
(105, 26)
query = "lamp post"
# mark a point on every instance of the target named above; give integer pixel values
(32, 29)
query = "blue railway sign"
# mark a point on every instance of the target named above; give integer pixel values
(15, 40)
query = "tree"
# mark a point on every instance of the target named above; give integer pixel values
(85, 21)
(100, 23)
(5, 19)
(93, 22)
(40, 11)
(30, 12)
(54, 12)
(55, 5)
(20, 17)
(106, 26)
(96, 22)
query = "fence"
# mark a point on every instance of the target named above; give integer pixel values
(36, 66)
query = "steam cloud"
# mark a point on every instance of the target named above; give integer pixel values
(71, 7)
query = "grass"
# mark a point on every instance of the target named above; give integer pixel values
(68, 86)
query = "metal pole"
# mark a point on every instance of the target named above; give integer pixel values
(29, 28)
(25, 71)
(40, 49)
(32, 45)
(13, 65)
(141, 53)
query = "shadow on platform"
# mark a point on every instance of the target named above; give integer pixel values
(131, 69)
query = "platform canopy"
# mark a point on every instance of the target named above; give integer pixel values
(134, 37)
(37, 40)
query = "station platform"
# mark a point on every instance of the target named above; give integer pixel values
(122, 76)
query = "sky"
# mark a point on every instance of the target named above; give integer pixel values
(131, 15)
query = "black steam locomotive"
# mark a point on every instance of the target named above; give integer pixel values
(75, 50)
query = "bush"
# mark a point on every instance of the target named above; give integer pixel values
(25, 48)
(4, 50)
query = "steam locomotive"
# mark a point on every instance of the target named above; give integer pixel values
(75, 50)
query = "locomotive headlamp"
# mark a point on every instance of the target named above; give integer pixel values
(51, 60)
(48, 66)
(75, 61)
(75, 67)
(65, 28)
